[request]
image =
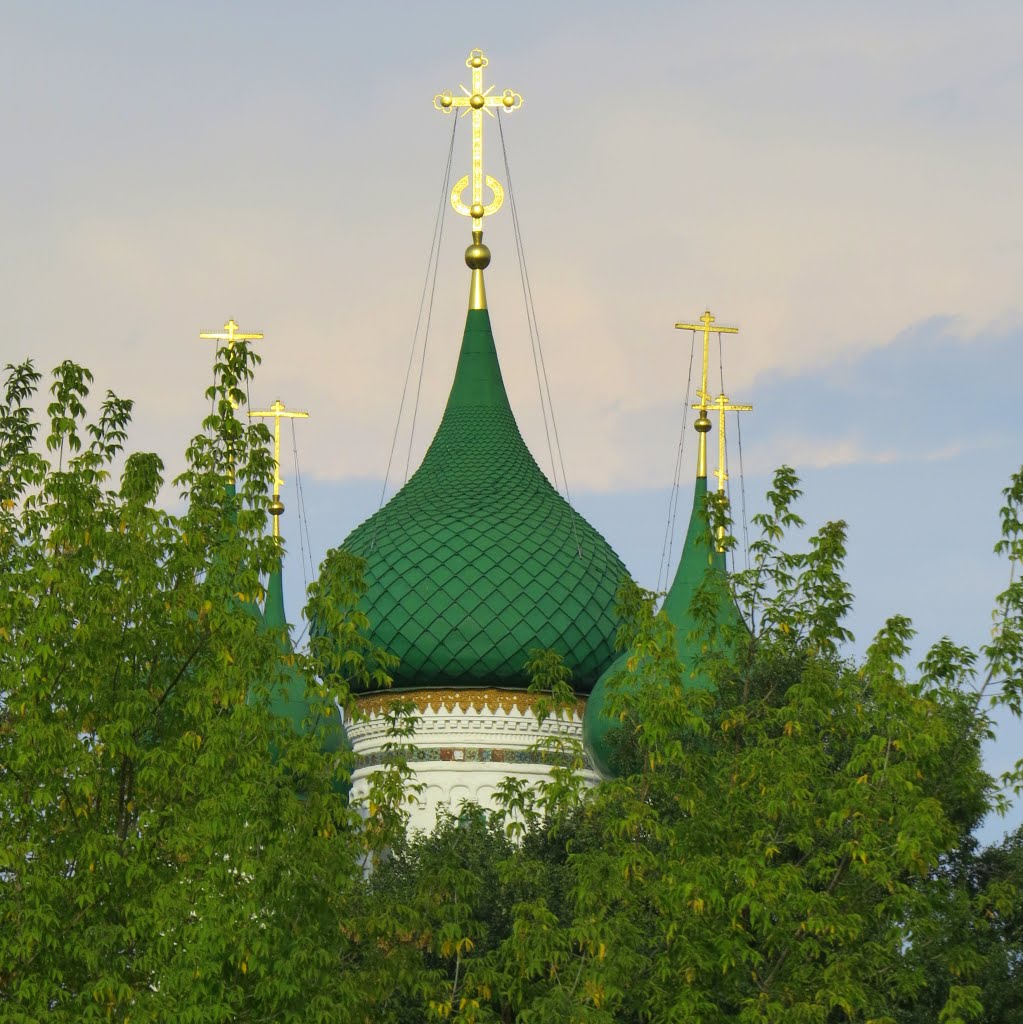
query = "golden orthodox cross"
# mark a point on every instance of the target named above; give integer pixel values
(476, 101)
(703, 423)
(721, 405)
(277, 411)
(230, 334)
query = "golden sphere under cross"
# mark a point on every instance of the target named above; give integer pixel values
(477, 256)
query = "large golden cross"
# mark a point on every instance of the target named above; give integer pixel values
(230, 334)
(476, 101)
(703, 423)
(278, 411)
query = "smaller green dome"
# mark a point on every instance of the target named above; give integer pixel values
(602, 735)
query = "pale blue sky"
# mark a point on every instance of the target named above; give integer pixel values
(841, 180)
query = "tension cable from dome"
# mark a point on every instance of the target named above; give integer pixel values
(742, 489)
(304, 541)
(723, 405)
(539, 365)
(673, 496)
(742, 475)
(429, 290)
(278, 411)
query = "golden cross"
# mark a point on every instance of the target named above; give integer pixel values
(230, 334)
(476, 101)
(278, 411)
(705, 325)
(703, 423)
(722, 405)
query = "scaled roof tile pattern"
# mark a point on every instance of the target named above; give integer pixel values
(478, 560)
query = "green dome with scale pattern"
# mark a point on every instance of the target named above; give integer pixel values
(478, 560)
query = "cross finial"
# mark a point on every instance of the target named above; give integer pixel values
(721, 405)
(230, 334)
(277, 411)
(702, 424)
(475, 101)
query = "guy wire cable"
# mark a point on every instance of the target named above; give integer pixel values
(673, 495)
(305, 548)
(534, 332)
(434, 257)
(742, 489)
(520, 255)
(724, 485)
(429, 310)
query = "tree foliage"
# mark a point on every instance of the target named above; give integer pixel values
(169, 848)
(782, 849)
(792, 845)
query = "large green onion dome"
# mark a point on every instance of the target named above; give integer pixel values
(603, 734)
(478, 560)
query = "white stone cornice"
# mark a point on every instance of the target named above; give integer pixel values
(464, 743)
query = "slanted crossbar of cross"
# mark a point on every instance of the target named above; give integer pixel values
(475, 101)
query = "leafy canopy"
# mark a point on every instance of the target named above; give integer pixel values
(170, 849)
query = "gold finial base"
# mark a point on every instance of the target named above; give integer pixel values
(702, 426)
(477, 259)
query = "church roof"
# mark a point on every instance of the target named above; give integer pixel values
(478, 560)
(288, 699)
(699, 555)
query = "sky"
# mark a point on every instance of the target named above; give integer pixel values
(841, 181)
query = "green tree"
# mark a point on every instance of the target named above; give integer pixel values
(791, 845)
(170, 849)
(979, 919)
(778, 851)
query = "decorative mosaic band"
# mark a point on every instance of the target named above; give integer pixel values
(493, 755)
(460, 700)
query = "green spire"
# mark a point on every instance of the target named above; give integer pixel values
(273, 605)
(287, 699)
(478, 381)
(699, 555)
(478, 560)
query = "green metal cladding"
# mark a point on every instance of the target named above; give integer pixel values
(289, 700)
(699, 555)
(477, 560)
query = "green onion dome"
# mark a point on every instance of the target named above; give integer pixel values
(602, 734)
(478, 560)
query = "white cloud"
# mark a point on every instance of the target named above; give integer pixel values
(821, 176)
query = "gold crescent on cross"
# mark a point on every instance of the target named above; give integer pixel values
(475, 101)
